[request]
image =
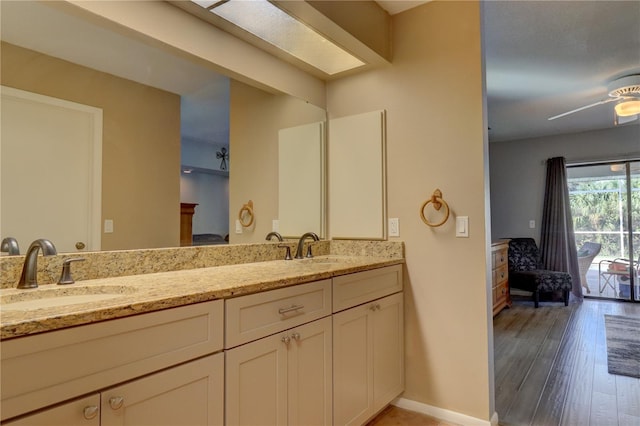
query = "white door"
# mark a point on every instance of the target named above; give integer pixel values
(51, 165)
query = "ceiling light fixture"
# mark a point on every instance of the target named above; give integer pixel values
(273, 25)
(628, 108)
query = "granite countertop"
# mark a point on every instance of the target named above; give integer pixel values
(130, 295)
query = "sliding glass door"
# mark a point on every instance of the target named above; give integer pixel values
(605, 205)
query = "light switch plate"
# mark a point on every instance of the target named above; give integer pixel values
(108, 226)
(462, 226)
(394, 227)
(275, 225)
(532, 224)
(238, 227)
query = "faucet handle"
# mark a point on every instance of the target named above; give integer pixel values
(65, 276)
(287, 255)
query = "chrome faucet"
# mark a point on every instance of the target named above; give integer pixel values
(311, 235)
(10, 245)
(28, 279)
(274, 234)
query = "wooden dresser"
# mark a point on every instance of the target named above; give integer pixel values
(500, 274)
(186, 223)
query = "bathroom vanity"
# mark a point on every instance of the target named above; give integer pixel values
(314, 341)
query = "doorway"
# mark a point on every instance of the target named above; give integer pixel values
(605, 205)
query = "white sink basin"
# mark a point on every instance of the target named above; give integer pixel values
(60, 296)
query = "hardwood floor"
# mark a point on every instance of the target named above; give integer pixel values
(394, 416)
(551, 366)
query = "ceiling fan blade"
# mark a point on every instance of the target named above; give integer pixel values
(605, 101)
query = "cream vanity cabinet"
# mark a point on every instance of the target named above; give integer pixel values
(368, 343)
(278, 357)
(161, 368)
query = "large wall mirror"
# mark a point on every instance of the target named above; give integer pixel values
(162, 115)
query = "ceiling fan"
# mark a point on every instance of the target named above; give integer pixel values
(625, 91)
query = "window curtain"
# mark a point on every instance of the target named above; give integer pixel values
(557, 240)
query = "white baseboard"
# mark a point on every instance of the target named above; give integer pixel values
(445, 415)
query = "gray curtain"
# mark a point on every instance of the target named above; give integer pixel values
(557, 240)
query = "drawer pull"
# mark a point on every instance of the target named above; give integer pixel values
(90, 412)
(286, 340)
(115, 402)
(375, 307)
(291, 308)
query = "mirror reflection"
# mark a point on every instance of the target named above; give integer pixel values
(162, 115)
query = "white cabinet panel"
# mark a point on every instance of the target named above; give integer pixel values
(102, 354)
(188, 395)
(80, 412)
(368, 358)
(258, 315)
(284, 379)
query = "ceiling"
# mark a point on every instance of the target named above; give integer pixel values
(542, 59)
(546, 58)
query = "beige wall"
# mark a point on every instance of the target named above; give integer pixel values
(255, 118)
(435, 139)
(140, 146)
(518, 172)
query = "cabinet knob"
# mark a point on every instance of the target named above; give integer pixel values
(286, 340)
(375, 307)
(90, 412)
(115, 402)
(295, 336)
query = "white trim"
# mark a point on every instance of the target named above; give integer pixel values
(445, 415)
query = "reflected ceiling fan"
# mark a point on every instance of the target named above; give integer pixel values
(626, 92)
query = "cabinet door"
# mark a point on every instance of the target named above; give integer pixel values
(80, 412)
(256, 382)
(310, 374)
(189, 394)
(368, 357)
(388, 350)
(352, 365)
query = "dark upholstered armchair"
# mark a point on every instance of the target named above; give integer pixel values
(526, 273)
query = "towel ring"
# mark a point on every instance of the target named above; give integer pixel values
(246, 210)
(438, 202)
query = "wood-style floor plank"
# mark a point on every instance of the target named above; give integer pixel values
(551, 366)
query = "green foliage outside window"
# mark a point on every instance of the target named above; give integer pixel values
(599, 210)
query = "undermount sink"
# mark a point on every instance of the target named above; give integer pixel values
(322, 260)
(60, 296)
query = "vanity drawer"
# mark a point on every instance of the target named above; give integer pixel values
(361, 287)
(47, 368)
(258, 315)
